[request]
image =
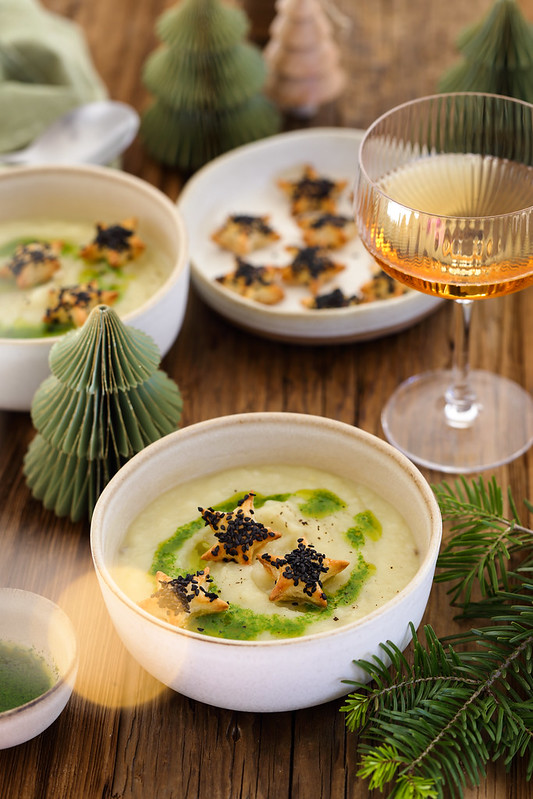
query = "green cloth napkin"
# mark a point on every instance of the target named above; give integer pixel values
(45, 70)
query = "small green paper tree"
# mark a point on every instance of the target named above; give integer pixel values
(498, 55)
(207, 83)
(105, 400)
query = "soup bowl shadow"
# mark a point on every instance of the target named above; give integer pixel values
(90, 194)
(264, 675)
(38, 625)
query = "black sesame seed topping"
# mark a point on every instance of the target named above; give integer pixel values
(251, 274)
(114, 237)
(334, 299)
(37, 252)
(178, 593)
(251, 223)
(235, 530)
(69, 297)
(312, 188)
(303, 564)
(311, 260)
(329, 219)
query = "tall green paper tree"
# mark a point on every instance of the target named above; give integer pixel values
(105, 401)
(497, 55)
(207, 81)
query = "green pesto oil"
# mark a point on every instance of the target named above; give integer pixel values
(24, 675)
(365, 525)
(165, 555)
(244, 624)
(319, 502)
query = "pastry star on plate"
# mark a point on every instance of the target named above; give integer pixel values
(312, 192)
(238, 533)
(244, 233)
(310, 266)
(181, 597)
(300, 574)
(254, 282)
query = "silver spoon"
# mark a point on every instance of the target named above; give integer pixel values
(95, 133)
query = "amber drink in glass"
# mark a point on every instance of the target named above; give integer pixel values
(444, 204)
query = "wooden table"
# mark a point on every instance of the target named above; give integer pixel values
(123, 734)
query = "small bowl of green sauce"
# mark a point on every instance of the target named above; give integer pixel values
(38, 664)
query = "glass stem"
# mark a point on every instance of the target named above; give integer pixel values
(461, 408)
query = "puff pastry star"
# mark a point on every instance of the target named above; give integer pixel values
(311, 266)
(181, 597)
(330, 231)
(332, 299)
(254, 282)
(244, 233)
(33, 263)
(300, 574)
(312, 192)
(75, 303)
(381, 287)
(237, 532)
(115, 244)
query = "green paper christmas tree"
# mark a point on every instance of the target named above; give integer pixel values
(105, 400)
(207, 82)
(498, 55)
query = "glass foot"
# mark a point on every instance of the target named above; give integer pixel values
(501, 428)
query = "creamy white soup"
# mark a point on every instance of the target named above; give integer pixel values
(341, 520)
(22, 310)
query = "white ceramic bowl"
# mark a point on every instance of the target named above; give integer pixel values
(32, 621)
(264, 675)
(90, 194)
(244, 181)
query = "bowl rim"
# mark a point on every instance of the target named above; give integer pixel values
(126, 179)
(64, 679)
(281, 417)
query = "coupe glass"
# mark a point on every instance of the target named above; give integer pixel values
(444, 203)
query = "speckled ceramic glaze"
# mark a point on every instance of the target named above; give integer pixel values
(92, 193)
(264, 676)
(34, 622)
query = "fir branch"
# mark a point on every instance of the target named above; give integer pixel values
(466, 699)
(439, 722)
(484, 539)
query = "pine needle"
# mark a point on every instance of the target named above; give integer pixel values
(484, 539)
(429, 729)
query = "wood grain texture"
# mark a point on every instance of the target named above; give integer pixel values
(123, 735)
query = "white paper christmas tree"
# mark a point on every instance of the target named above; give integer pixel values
(302, 58)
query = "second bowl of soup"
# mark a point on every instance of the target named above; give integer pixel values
(72, 237)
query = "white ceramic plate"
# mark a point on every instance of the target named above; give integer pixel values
(244, 181)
